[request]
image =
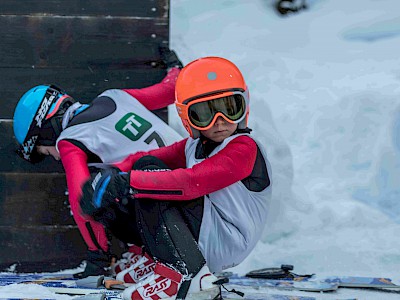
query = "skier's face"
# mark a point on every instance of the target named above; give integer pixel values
(220, 130)
(49, 150)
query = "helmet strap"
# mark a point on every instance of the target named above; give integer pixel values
(204, 147)
(56, 124)
(244, 130)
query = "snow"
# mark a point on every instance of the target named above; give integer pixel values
(30, 290)
(325, 102)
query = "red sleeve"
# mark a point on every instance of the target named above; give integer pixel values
(233, 163)
(173, 156)
(74, 161)
(159, 95)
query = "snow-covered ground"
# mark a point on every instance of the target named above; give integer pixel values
(325, 101)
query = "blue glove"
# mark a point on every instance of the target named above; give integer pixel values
(104, 192)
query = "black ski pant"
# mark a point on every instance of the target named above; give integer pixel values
(168, 230)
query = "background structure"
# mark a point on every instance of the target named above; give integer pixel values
(85, 47)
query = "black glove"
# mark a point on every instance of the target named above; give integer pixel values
(104, 192)
(97, 263)
(169, 57)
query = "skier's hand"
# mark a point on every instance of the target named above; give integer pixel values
(108, 189)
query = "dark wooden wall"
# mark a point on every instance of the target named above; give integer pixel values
(85, 47)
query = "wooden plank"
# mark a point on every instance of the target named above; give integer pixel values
(85, 47)
(42, 41)
(42, 196)
(45, 248)
(84, 84)
(41, 244)
(142, 8)
(36, 224)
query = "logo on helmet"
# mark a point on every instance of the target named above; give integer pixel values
(44, 108)
(212, 75)
(28, 146)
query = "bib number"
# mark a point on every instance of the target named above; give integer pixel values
(155, 136)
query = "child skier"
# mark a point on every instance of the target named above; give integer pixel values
(197, 206)
(117, 123)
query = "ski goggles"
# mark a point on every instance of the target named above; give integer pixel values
(202, 113)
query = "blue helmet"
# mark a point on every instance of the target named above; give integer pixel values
(37, 106)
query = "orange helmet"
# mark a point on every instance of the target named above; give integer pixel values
(207, 88)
